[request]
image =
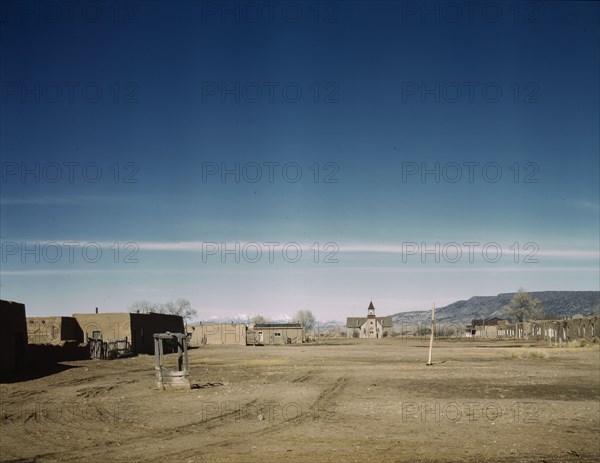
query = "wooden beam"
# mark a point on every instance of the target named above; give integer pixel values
(432, 333)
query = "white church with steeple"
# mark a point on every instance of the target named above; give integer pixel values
(369, 327)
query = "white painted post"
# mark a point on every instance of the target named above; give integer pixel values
(432, 331)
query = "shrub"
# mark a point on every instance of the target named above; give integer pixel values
(529, 354)
(535, 354)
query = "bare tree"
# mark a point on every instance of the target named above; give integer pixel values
(523, 307)
(259, 319)
(181, 307)
(305, 318)
(145, 307)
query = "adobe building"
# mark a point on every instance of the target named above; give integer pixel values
(369, 327)
(137, 328)
(217, 333)
(487, 328)
(53, 330)
(13, 341)
(276, 333)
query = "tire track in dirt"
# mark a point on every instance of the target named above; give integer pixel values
(75, 381)
(50, 430)
(53, 435)
(326, 396)
(334, 390)
(93, 391)
(221, 418)
(218, 419)
(303, 378)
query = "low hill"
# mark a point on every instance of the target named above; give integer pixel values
(556, 304)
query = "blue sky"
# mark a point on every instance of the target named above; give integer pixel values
(389, 133)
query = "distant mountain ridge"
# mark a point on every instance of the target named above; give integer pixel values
(557, 304)
(277, 319)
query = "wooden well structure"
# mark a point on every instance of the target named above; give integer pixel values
(170, 378)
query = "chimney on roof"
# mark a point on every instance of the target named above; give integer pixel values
(96, 309)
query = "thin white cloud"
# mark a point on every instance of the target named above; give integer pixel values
(41, 200)
(408, 249)
(85, 272)
(569, 254)
(492, 268)
(186, 246)
(586, 205)
(414, 248)
(418, 268)
(368, 248)
(46, 200)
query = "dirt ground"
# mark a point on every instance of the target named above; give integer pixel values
(348, 401)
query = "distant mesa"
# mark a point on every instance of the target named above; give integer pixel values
(556, 305)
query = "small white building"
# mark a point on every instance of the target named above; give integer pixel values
(369, 327)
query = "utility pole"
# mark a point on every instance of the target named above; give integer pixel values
(432, 331)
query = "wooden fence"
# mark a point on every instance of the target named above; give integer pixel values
(556, 331)
(109, 350)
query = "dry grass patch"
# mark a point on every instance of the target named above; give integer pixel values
(530, 354)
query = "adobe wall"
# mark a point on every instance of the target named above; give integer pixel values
(218, 333)
(143, 327)
(44, 330)
(112, 326)
(70, 330)
(136, 327)
(13, 342)
(53, 330)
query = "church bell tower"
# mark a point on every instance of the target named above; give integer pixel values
(371, 310)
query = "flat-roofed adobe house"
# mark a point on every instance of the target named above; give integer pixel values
(217, 333)
(369, 327)
(487, 328)
(137, 328)
(276, 333)
(53, 330)
(13, 341)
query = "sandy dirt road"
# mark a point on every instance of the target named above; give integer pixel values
(347, 401)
